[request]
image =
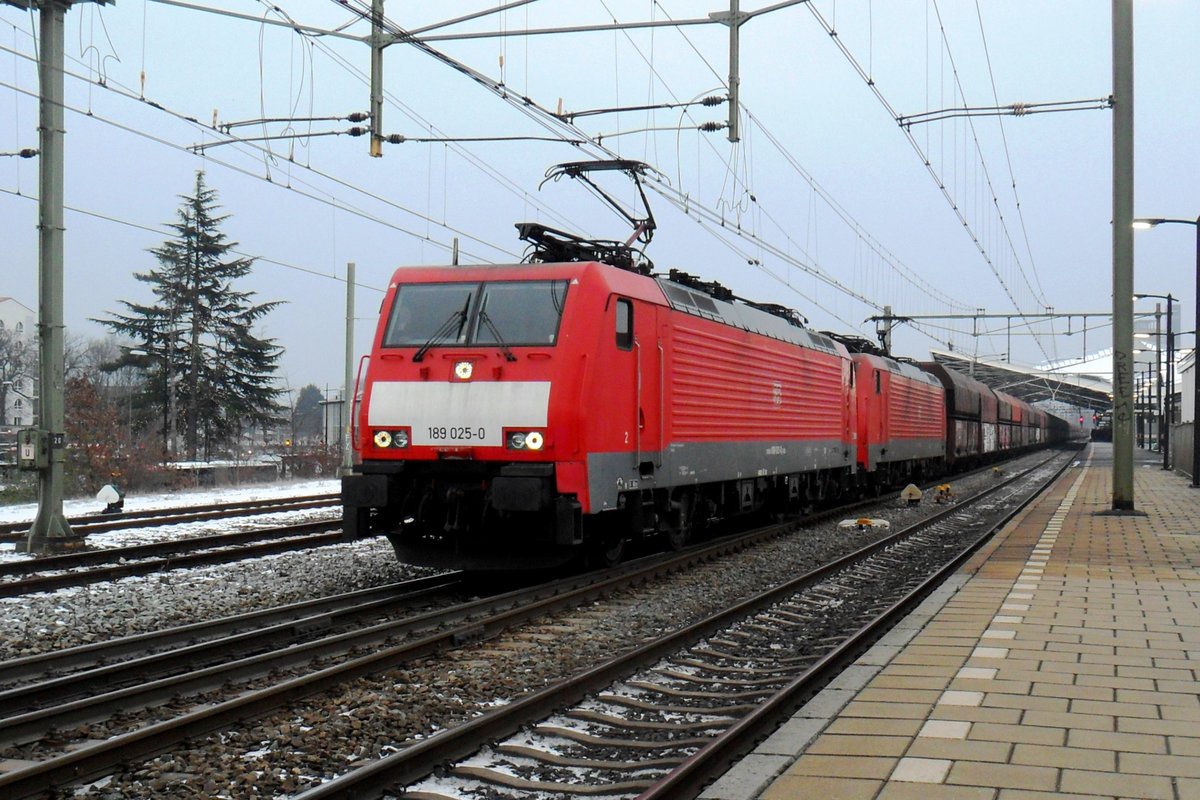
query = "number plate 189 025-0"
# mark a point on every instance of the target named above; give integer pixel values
(473, 413)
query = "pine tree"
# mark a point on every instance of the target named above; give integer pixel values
(211, 377)
(306, 414)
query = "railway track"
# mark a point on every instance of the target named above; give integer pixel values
(212, 655)
(104, 523)
(123, 562)
(455, 628)
(452, 628)
(71, 569)
(306, 615)
(665, 718)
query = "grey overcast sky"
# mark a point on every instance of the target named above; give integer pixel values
(825, 205)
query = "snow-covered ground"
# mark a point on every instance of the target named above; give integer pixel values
(225, 494)
(24, 512)
(79, 614)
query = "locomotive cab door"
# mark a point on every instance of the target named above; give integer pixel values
(637, 333)
(878, 419)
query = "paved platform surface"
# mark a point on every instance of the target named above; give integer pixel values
(1062, 661)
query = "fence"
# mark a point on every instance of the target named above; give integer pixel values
(1182, 439)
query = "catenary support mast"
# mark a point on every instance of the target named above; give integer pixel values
(1122, 247)
(50, 528)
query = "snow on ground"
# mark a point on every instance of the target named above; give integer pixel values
(225, 494)
(83, 506)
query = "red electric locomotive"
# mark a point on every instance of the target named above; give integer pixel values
(517, 414)
(521, 415)
(901, 421)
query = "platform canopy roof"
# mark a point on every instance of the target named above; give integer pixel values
(1077, 383)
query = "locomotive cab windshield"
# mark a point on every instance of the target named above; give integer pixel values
(489, 314)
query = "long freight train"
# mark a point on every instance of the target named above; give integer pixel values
(521, 415)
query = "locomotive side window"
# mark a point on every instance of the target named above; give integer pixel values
(427, 311)
(624, 325)
(520, 312)
(878, 389)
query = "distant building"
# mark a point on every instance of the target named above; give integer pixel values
(334, 424)
(19, 382)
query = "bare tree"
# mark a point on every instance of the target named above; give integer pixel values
(18, 363)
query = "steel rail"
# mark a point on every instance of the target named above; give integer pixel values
(99, 653)
(102, 523)
(690, 778)
(282, 540)
(104, 555)
(507, 611)
(18, 728)
(418, 759)
(353, 606)
(101, 758)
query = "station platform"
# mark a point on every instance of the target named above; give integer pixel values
(1062, 661)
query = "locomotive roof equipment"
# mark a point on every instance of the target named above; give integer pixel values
(551, 245)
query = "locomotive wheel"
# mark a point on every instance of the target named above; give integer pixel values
(612, 551)
(605, 540)
(680, 521)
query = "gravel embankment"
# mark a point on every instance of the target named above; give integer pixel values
(35, 623)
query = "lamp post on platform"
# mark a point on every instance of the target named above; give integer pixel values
(1150, 222)
(1164, 436)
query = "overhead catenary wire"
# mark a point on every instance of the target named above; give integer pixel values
(1008, 158)
(841, 212)
(1024, 108)
(975, 236)
(116, 88)
(341, 206)
(168, 232)
(877, 247)
(524, 103)
(484, 168)
(1037, 295)
(731, 171)
(714, 222)
(749, 259)
(548, 119)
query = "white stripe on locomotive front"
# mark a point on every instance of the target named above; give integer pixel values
(487, 406)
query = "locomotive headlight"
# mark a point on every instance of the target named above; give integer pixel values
(521, 440)
(391, 439)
